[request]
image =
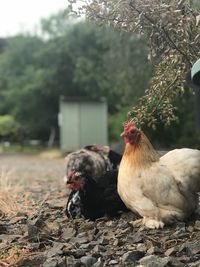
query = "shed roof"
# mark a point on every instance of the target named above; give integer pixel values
(82, 99)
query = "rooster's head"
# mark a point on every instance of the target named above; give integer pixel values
(131, 133)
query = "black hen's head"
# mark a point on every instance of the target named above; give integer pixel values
(75, 180)
(81, 165)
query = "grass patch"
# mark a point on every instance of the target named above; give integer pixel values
(8, 204)
(26, 149)
(51, 154)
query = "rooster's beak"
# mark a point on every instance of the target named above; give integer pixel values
(122, 134)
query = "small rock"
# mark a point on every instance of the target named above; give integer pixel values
(110, 224)
(3, 229)
(154, 250)
(51, 263)
(112, 262)
(175, 262)
(5, 238)
(78, 253)
(99, 263)
(88, 260)
(196, 257)
(99, 248)
(18, 219)
(54, 204)
(119, 253)
(33, 232)
(132, 256)
(21, 213)
(141, 247)
(79, 240)
(182, 248)
(197, 225)
(194, 264)
(154, 261)
(71, 262)
(87, 246)
(103, 241)
(181, 234)
(61, 262)
(32, 261)
(34, 246)
(67, 247)
(53, 252)
(193, 248)
(52, 228)
(134, 238)
(68, 233)
(190, 229)
(181, 225)
(171, 251)
(116, 242)
(123, 225)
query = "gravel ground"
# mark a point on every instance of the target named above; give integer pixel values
(39, 234)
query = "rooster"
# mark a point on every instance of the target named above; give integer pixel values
(162, 190)
(92, 173)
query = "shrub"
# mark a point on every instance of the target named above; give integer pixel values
(9, 127)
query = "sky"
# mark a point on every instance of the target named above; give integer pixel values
(23, 15)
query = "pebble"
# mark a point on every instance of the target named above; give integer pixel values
(197, 225)
(154, 250)
(193, 248)
(88, 261)
(171, 251)
(112, 262)
(154, 261)
(79, 243)
(134, 238)
(132, 256)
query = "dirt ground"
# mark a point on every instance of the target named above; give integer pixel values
(32, 180)
(35, 232)
(33, 171)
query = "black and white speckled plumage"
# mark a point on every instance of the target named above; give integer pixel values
(95, 200)
(98, 196)
(87, 162)
(74, 206)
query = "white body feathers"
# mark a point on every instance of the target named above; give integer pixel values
(160, 190)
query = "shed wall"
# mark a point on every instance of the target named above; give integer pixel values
(82, 123)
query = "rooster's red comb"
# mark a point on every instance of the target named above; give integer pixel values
(128, 125)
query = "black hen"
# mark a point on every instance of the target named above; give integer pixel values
(92, 176)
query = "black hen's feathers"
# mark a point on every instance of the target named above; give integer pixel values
(96, 200)
(87, 162)
(98, 197)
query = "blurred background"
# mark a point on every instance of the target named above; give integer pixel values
(65, 82)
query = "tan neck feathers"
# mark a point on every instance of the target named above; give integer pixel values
(142, 153)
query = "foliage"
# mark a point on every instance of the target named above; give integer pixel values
(109, 64)
(172, 29)
(115, 123)
(9, 127)
(79, 60)
(55, 25)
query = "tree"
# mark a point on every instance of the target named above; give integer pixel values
(109, 64)
(9, 127)
(79, 61)
(172, 29)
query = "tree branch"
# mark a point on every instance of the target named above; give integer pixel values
(163, 32)
(164, 94)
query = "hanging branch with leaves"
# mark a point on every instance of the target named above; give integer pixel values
(172, 29)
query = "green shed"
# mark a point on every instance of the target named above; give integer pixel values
(82, 122)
